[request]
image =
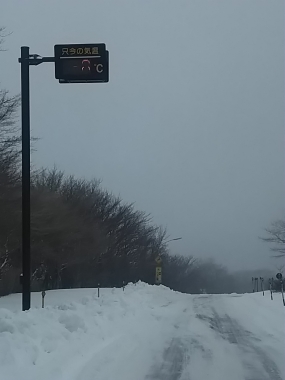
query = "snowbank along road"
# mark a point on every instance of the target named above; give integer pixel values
(142, 333)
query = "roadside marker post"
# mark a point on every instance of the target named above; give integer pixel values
(43, 298)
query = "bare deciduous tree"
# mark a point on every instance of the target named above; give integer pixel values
(276, 236)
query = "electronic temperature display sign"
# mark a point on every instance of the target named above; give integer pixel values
(81, 63)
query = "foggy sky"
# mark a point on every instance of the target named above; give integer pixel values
(190, 126)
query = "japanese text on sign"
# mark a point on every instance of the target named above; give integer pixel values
(80, 51)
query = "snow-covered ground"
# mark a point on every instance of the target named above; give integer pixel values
(144, 332)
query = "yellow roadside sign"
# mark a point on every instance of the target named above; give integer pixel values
(158, 260)
(158, 275)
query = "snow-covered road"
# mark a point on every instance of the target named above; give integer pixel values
(217, 343)
(144, 333)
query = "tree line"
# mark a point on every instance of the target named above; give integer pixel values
(81, 234)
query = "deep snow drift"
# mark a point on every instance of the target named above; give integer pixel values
(144, 332)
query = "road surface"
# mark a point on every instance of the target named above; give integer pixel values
(226, 350)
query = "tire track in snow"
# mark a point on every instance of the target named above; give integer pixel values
(235, 334)
(174, 361)
(230, 330)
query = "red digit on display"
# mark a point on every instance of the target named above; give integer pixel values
(85, 65)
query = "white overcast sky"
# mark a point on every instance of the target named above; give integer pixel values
(190, 126)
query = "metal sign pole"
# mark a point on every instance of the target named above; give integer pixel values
(282, 291)
(270, 288)
(280, 278)
(26, 215)
(86, 71)
(261, 285)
